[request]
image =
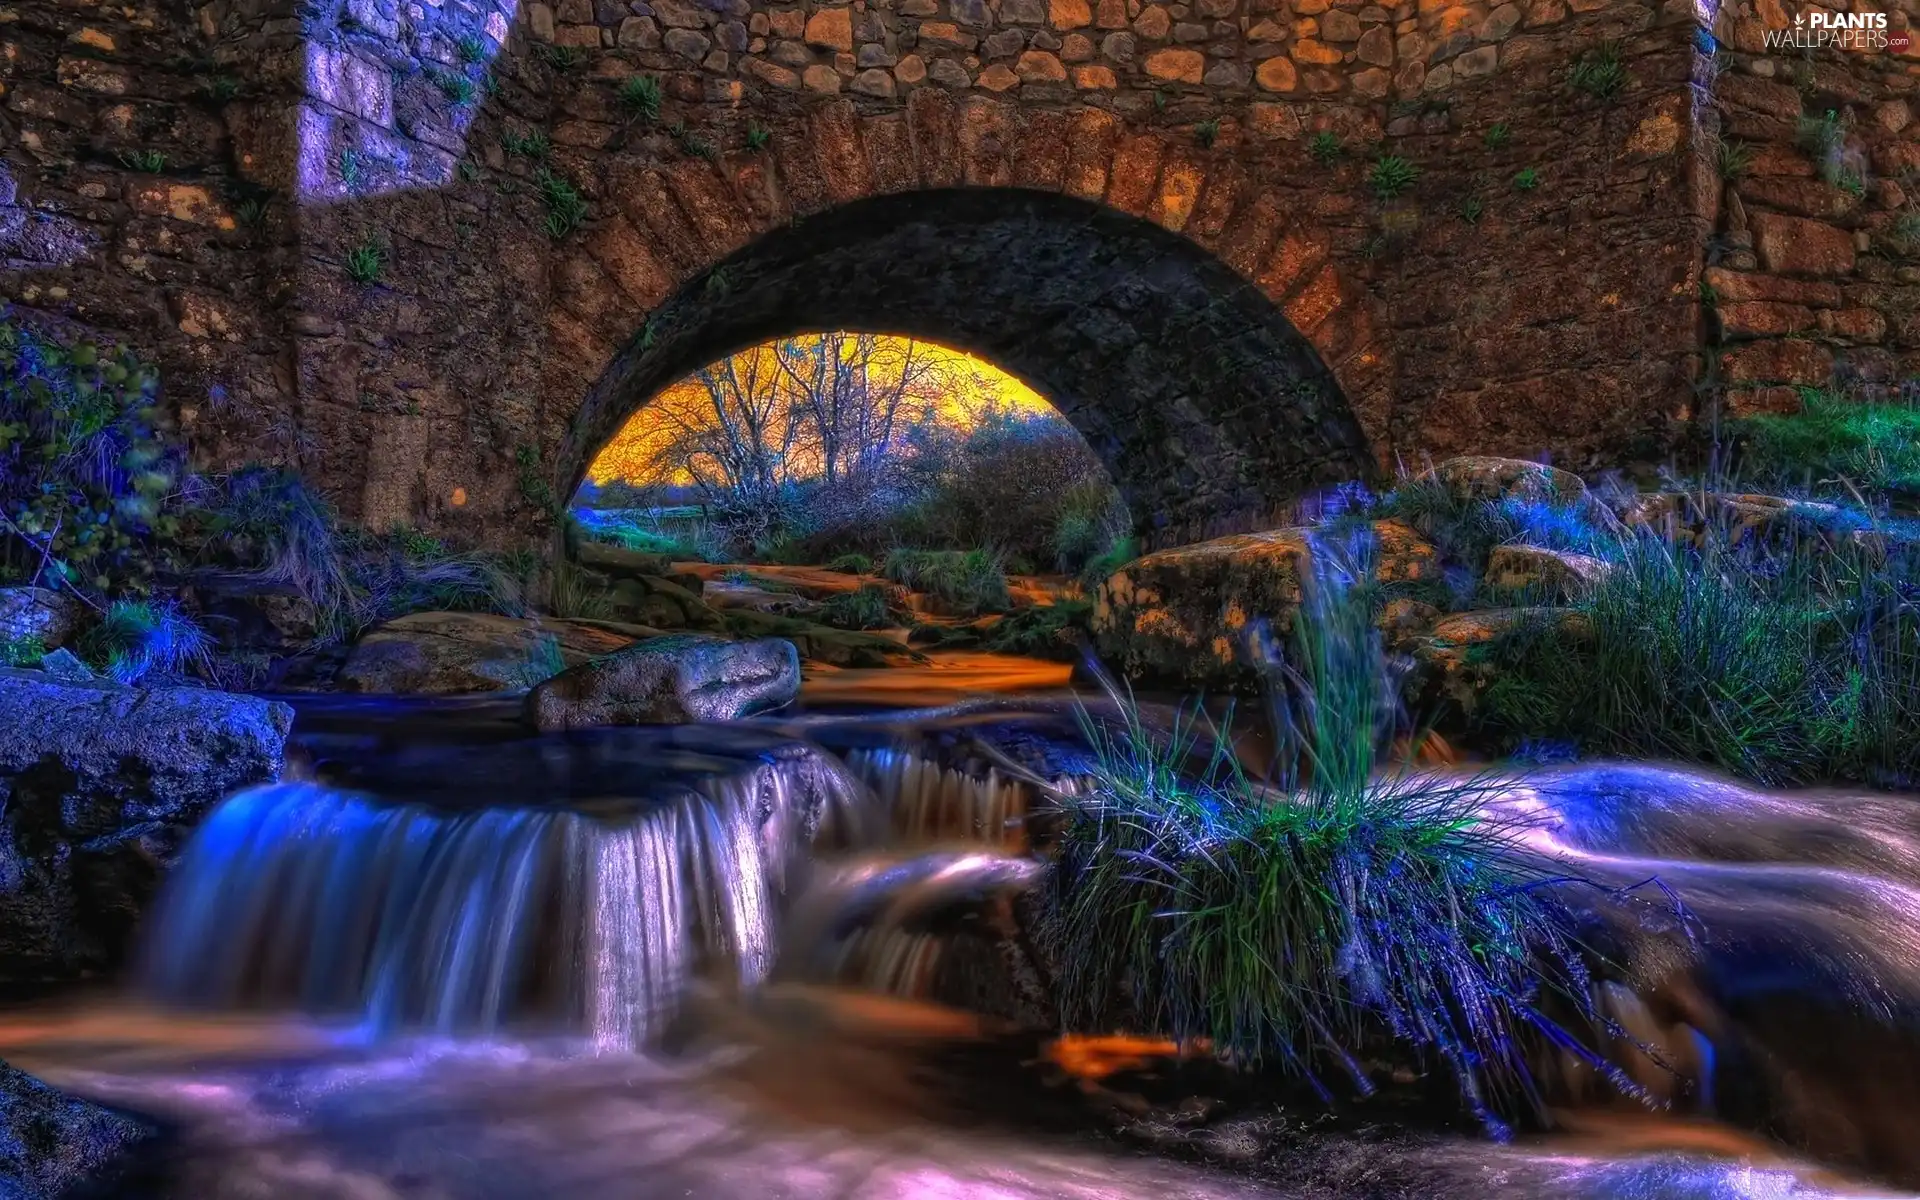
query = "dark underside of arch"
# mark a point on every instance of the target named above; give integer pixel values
(1203, 399)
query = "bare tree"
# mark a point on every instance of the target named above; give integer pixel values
(854, 396)
(736, 440)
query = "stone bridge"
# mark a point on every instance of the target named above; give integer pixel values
(434, 252)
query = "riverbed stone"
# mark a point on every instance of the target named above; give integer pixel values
(100, 785)
(54, 1145)
(449, 653)
(669, 680)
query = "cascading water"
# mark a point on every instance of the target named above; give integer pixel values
(581, 908)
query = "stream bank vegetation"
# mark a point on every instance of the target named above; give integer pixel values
(1304, 920)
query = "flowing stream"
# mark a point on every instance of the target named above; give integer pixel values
(779, 959)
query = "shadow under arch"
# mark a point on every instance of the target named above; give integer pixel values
(1206, 404)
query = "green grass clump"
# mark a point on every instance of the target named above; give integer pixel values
(640, 96)
(969, 582)
(365, 261)
(1526, 179)
(1306, 922)
(865, 607)
(138, 638)
(852, 564)
(1785, 663)
(578, 593)
(1391, 176)
(566, 209)
(1834, 445)
(532, 144)
(1599, 72)
(1324, 147)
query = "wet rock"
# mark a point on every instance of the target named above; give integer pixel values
(1542, 573)
(62, 664)
(38, 613)
(53, 1144)
(670, 680)
(660, 602)
(248, 612)
(1456, 654)
(446, 653)
(1192, 613)
(99, 785)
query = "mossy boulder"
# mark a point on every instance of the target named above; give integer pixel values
(1194, 613)
(448, 653)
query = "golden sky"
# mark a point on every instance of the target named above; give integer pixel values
(960, 386)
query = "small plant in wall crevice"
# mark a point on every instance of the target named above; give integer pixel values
(365, 261)
(1324, 147)
(566, 209)
(1391, 176)
(1207, 132)
(640, 97)
(1526, 179)
(1599, 72)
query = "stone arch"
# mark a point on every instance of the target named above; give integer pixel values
(1204, 400)
(668, 226)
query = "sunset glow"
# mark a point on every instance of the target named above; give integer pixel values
(951, 387)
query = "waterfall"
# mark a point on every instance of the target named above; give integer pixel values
(583, 918)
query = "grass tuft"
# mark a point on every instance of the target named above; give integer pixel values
(969, 582)
(1306, 921)
(1391, 176)
(1599, 72)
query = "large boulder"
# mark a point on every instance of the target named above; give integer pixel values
(669, 680)
(1189, 613)
(40, 615)
(1484, 477)
(99, 785)
(54, 1145)
(447, 653)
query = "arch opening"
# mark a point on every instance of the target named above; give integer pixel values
(845, 447)
(1202, 399)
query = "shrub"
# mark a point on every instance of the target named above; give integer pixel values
(865, 607)
(22, 651)
(1794, 662)
(1302, 922)
(1041, 630)
(88, 478)
(969, 582)
(641, 97)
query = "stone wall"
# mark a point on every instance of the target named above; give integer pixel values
(1469, 313)
(1813, 270)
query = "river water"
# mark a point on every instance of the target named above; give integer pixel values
(450, 960)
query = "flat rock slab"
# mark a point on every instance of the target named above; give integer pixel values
(670, 680)
(449, 653)
(99, 785)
